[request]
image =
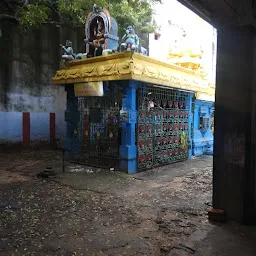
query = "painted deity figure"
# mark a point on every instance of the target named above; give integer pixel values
(95, 46)
(68, 51)
(130, 41)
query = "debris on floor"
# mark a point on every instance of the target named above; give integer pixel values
(98, 212)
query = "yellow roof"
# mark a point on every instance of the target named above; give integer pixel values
(126, 65)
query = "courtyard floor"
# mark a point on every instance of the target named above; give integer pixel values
(88, 211)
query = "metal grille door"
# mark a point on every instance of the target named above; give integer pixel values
(99, 129)
(163, 123)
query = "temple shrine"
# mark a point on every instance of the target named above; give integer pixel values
(128, 111)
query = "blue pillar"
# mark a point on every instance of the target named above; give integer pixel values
(207, 133)
(196, 117)
(190, 121)
(128, 149)
(72, 145)
(197, 140)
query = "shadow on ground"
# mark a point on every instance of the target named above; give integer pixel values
(219, 240)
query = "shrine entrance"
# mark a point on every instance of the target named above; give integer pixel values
(164, 126)
(135, 125)
(99, 129)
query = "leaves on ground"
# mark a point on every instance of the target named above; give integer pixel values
(144, 217)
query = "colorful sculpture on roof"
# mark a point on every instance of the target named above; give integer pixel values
(69, 54)
(186, 56)
(101, 37)
(130, 41)
(101, 32)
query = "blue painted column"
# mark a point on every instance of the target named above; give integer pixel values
(72, 143)
(196, 117)
(197, 140)
(190, 121)
(128, 149)
(207, 133)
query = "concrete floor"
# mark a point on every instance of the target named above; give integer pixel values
(87, 211)
(92, 212)
(230, 239)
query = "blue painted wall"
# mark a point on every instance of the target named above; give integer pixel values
(39, 126)
(202, 142)
(10, 127)
(30, 61)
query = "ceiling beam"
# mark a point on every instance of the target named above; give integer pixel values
(224, 12)
(197, 8)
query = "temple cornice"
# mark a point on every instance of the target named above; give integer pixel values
(126, 65)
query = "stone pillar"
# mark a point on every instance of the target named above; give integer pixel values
(234, 188)
(72, 145)
(128, 149)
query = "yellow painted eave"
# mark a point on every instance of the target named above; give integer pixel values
(125, 65)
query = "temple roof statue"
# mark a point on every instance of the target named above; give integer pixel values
(188, 55)
(101, 32)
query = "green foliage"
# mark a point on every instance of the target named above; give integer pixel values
(33, 16)
(138, 13)
(74, 12)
